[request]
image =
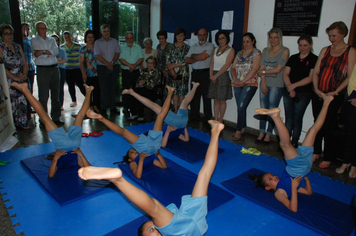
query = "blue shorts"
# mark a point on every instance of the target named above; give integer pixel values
(189, 219)
(149, 144)
(178, 120)
(301, 164)
(66, 141)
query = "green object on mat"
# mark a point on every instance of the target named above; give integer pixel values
(2, 163)
(252, 151)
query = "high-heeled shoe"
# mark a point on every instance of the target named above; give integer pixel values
(342, 168)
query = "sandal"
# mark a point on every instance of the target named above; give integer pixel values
(324, 164)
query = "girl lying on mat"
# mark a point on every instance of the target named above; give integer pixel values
(190, 218)
(176, 122)
(62, 141)
(143, 146)
(299, 161)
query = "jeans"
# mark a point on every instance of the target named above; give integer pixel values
(243, 97)
(294, 112)
(271, 100)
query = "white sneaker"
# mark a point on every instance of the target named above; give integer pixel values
(140, 119)
(73, 104)
(132, 117)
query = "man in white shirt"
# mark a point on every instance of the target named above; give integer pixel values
(45, 51)
(199, 55)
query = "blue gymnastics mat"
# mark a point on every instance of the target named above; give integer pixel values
(39, 214)
(321, 213)
(65, 186)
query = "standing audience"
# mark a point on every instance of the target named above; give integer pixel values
(220, 85)
(73, 75)
(88, 67)
(61, 59)
(331, 76)
(274, 58)
(45, 51)
(244, 73)
(199, 55)
(178, 70)
(27, 49)
(16, 72)
(131, 58)
(107, 51)
(147, 52)
(297, 77)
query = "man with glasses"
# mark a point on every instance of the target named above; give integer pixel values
(199, 56)
(107, 51)
(45, 50)
(131, 58)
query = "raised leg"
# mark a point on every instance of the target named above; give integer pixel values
(47, 121)
(160, 215)
(145, 101)
(129, 136)
(313, 131)
(287, 147)
(86, 104)
(211, 157)
(189, 97)
(162, 115)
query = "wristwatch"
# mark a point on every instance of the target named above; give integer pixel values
(263, 72)
(43, 51)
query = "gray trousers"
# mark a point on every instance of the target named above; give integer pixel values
(48, 81)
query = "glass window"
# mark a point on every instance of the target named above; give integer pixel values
(5, 16)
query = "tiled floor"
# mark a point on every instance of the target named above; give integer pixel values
(36, 135)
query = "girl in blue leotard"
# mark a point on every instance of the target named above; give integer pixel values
(143, 146)
(299, 161)
(176, 121)
(190, 218)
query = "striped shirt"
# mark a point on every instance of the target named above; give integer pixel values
(72, 56)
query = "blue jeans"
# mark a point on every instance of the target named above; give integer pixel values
(294, 111)
(271, 100)
(243, 97)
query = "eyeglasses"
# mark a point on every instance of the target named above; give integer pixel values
(8, 34)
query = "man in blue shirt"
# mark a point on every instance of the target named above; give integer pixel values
(27, 49)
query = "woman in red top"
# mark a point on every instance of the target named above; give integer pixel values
(331, 75)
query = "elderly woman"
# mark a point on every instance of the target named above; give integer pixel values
(147, 52)
(245, 83)
(178, 70)
(16, 72)
(297, 77)
(220, 84)
(331, 76)
(274, 58)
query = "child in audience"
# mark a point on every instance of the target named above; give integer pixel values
(190, 218)
(299, 161)
(143, 146)
(62, 141)
(176, 122)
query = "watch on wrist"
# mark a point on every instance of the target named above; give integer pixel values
(264, 72)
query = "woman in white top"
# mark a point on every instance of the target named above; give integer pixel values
(147, 51)
(220, 85)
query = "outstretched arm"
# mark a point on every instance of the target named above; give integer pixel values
(161, 162)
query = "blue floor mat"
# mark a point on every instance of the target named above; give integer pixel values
(39, 214)
(321, 213)
(65, 186)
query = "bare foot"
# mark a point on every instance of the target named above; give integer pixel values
(88, 88)
(93, 115)
(91, 172)
(326, 98)
(237, 136)
(216, 125)
(271, 112)
(127, 91)
(21, 87)
(170, 89)
(195, 84)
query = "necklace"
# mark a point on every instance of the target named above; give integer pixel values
(218, 53)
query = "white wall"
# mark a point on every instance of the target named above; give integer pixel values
(260, 21)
